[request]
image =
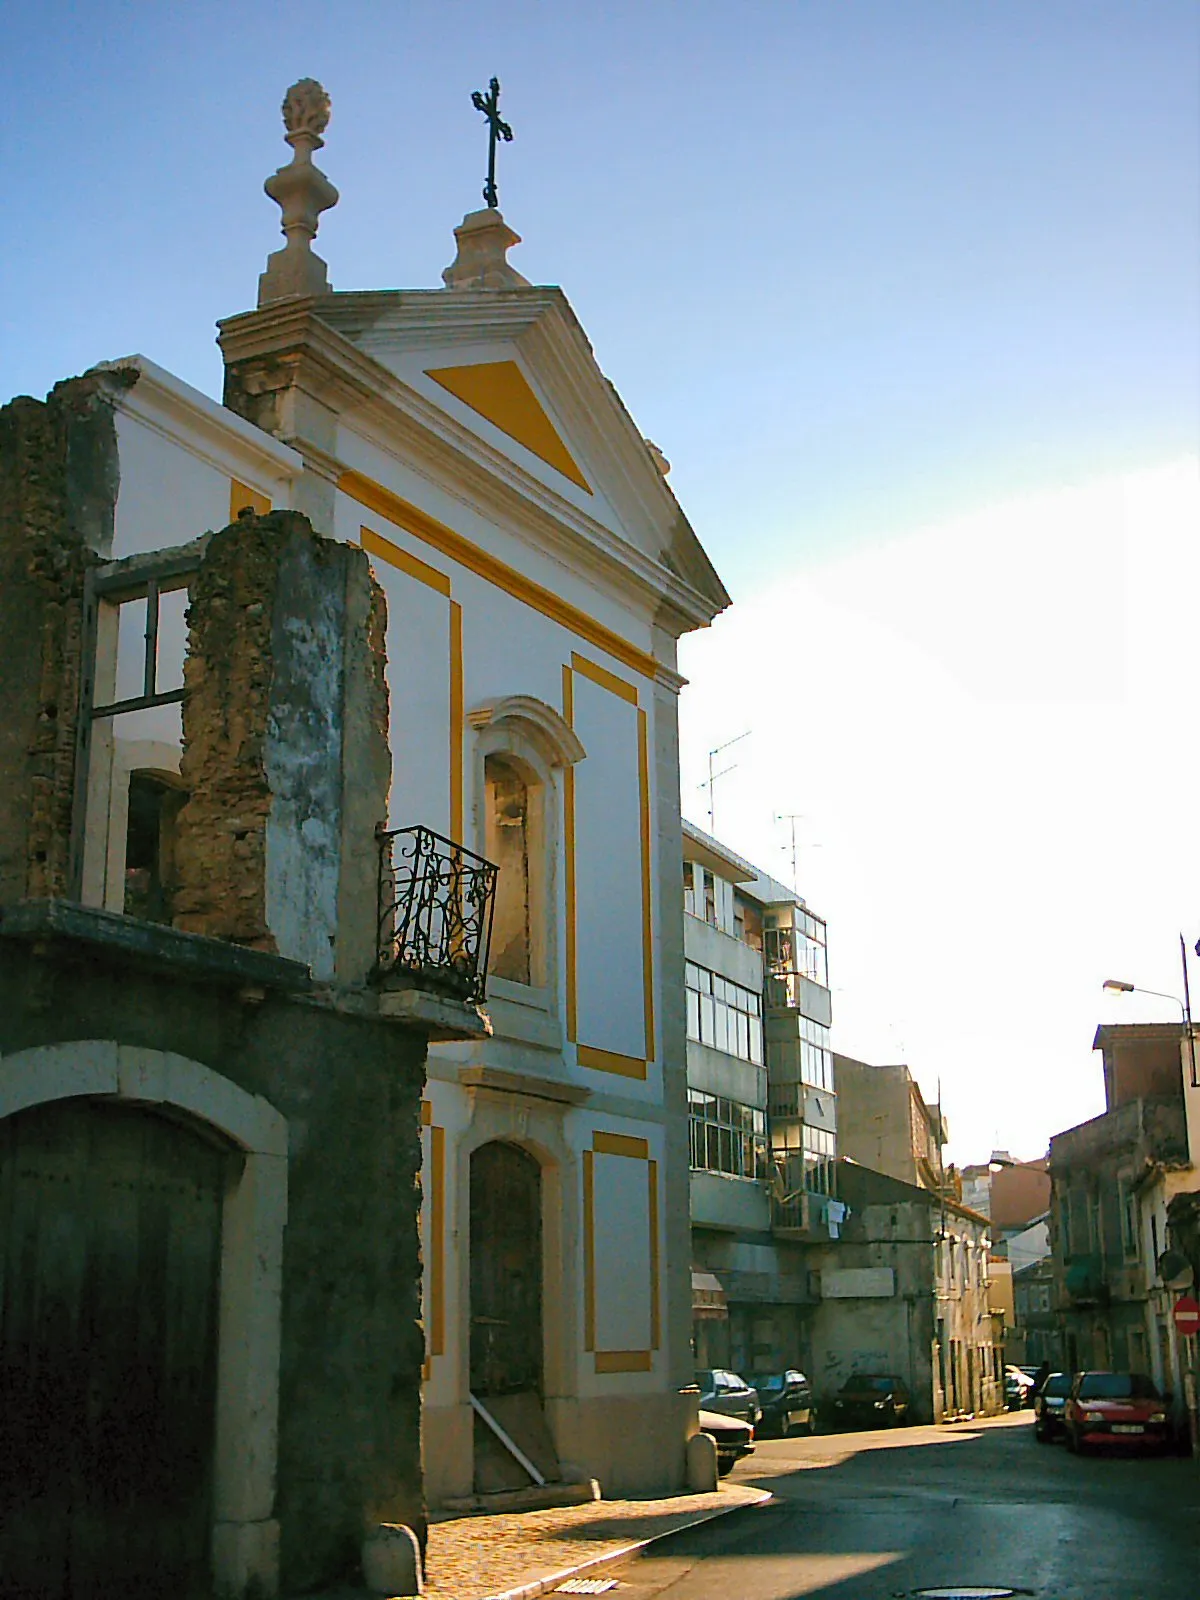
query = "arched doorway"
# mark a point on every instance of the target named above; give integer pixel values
(506, 1271)
(110, 1252)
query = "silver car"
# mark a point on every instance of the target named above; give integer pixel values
(728, 1395)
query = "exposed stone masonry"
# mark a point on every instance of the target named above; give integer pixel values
(58, 490)
(286, 643)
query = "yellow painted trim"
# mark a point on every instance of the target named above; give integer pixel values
(376, 545)
(655, 1330)
(609, 1061)
(606, 679)
(647, 929)
(426, 1113)
(589, 1253)
(500, 393)
(458, 717)
(620, 1144)
(366, 492)
(624, 1361)
(242, 495)
(437, 1241)
(568, 683)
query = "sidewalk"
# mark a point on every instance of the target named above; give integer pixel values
(523, 1554)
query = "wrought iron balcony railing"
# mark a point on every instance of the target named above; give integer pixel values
(436, 900)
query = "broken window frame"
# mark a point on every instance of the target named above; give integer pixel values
(146, 576)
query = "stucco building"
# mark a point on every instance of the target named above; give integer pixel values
(762, 1108)
(500, 571)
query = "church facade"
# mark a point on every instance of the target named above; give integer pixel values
(536, 573)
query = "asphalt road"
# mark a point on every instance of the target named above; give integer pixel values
(873, 1516)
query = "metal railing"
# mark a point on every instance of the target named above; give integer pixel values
(435, 904)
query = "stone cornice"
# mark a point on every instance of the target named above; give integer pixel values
(182, 414)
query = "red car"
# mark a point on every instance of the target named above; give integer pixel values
(1115, 1409)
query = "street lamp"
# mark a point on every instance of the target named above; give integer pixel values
(1119, 986)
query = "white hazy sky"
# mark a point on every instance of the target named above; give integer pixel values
(987, 726)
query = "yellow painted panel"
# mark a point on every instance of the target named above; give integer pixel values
(623, 1361)
(366, 492)
(606, 679)
(655, 1331)
(621, 1144)
(568, 687)
(647, 942)
(240, 496)
(589, 1253)
(437, 1230)
(498, 391)
(610, 1061)
(376, 545)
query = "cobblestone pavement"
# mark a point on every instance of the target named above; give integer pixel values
(476, 1558)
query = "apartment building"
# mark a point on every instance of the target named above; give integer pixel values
(763, 1120)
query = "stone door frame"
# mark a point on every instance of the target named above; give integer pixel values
(245, 1534)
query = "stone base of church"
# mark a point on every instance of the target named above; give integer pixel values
(631, 1444)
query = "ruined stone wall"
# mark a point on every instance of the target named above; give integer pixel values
(58, 490)
(285, 746)
(350, 1087)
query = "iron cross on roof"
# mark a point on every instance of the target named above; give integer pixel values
(489, 104)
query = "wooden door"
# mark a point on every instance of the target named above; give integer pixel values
(506, 1271)
(110, 1235)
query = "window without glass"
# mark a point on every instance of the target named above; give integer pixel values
(154, 805)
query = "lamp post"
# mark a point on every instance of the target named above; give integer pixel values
(1119, 986)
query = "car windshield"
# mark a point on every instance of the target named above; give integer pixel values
(884, 1385)
(775, 1381)
(704, 1382)
(1116, 1386)
(1058, 1383)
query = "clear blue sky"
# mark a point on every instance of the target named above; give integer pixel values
(863, 270)
(849, 262)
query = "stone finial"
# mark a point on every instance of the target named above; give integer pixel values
(483, 239)
(302, 192)
(660, 460)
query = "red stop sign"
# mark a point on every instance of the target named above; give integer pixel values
(1187, 1315)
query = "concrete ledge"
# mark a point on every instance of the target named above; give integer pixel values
(150, 945)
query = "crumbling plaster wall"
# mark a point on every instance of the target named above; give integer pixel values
(285, 757)
(58, 488)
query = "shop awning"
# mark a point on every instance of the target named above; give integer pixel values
(708, 1297)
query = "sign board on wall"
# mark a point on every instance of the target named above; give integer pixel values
(858, 1283)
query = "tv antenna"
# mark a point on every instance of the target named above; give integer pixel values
(792, 818)
(710, 781)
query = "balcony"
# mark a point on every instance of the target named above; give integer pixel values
(795, 991)
(435, 906)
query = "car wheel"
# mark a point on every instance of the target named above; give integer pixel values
(1040, 1434)
(725, 1465)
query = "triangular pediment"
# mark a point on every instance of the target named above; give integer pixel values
(500, 392)
(514, 367)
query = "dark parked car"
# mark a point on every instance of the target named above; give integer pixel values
(1049, 1406)
(732, 1437)
(1116, 1409)
(787, 1404)
(872, 1400)
(727, 1393)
